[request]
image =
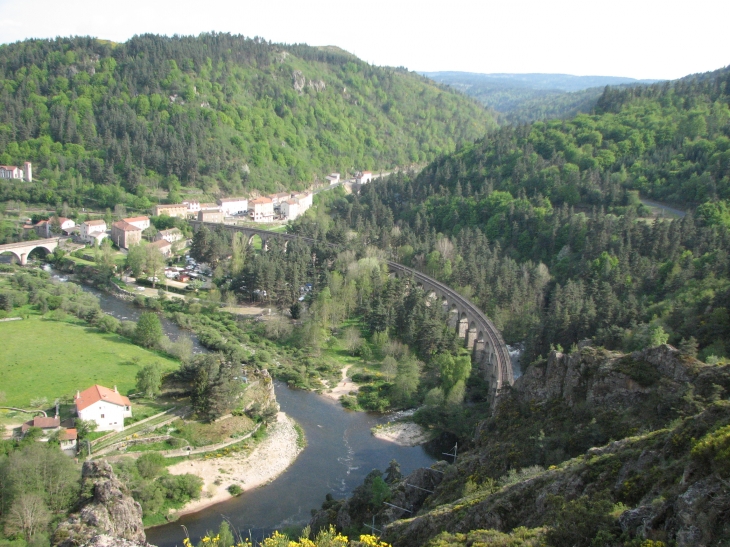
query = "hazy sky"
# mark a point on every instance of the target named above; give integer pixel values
(635, 38)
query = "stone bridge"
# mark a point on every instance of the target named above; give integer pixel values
(22, 249)
(489, 352)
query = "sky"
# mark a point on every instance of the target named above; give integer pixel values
(658, 39)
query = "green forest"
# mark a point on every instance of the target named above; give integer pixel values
(540, 225)
(106, 123)
(525, 98)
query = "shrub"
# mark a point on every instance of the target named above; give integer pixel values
(235, 490)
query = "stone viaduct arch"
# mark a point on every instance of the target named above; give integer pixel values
(22, 249)
(489, 352)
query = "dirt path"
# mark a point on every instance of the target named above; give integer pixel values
(343, 387)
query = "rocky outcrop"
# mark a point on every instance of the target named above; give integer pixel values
(634, 444)
(300, 82)
(107, 509)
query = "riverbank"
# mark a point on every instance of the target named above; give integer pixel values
(264, 463)
(402, 433)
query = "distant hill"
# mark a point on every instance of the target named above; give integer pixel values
(522, 98)
(551, 82)
(107, 123)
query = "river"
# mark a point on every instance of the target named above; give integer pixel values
(340, 452)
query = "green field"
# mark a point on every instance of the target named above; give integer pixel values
(40, 358)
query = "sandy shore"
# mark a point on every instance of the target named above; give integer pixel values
(343, 387)
(402, 433)
(267, 460)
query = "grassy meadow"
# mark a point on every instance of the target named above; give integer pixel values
(41, 358)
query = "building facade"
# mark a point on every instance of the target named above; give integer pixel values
(261, 209)
(104, 406)
(124, 234)
(193, 206)
(178, 210)
(212, 216)
(171, 236)
(233, 206)
(44, 228)
(140, 222)
(13, 172)
(290, 209)
(92, 231)
(165, 247)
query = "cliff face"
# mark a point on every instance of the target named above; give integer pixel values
(592, 448)
(107, 509)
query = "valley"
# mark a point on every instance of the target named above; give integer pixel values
(271, 294)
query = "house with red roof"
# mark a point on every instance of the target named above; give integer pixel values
(68, 438)
(107, 407)
(47, 425)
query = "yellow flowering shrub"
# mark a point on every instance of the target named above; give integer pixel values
(325, 538)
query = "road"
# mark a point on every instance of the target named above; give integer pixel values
(664, 209)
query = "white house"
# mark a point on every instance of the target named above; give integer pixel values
(333, 178)
(261, 210)
(305, 202)
(13, 172)
(43, 228)
(233, 206)
(193, 206)
(92, 230)
(140, 222)
(171, 236)
(364, 177)
(68, 438)
(290, 209)
(104, 406)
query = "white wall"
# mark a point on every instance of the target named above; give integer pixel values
(113, 415)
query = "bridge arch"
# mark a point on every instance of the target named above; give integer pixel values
(23, 249)
(12, 253)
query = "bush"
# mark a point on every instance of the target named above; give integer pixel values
(150, 465)
(107, 323)
(235, 490)
(127, 328)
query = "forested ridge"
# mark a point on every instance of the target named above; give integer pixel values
(107, 123)
(538, 224)
(525, 98)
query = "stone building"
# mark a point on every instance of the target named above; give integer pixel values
(124, 234)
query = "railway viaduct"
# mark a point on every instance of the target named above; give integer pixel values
(22, 249)
(489, 352)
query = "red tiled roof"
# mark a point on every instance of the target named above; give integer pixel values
(160, 244)
(97, 393)
(8, 167)
(125, 226)
(42, 422)
(94, 222)
(68, 435)
(261, 200)
(135, 219)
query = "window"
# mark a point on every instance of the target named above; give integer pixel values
(102, 415)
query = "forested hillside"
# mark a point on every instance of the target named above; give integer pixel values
(539, 226)
(524, 98)
(107, 123)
